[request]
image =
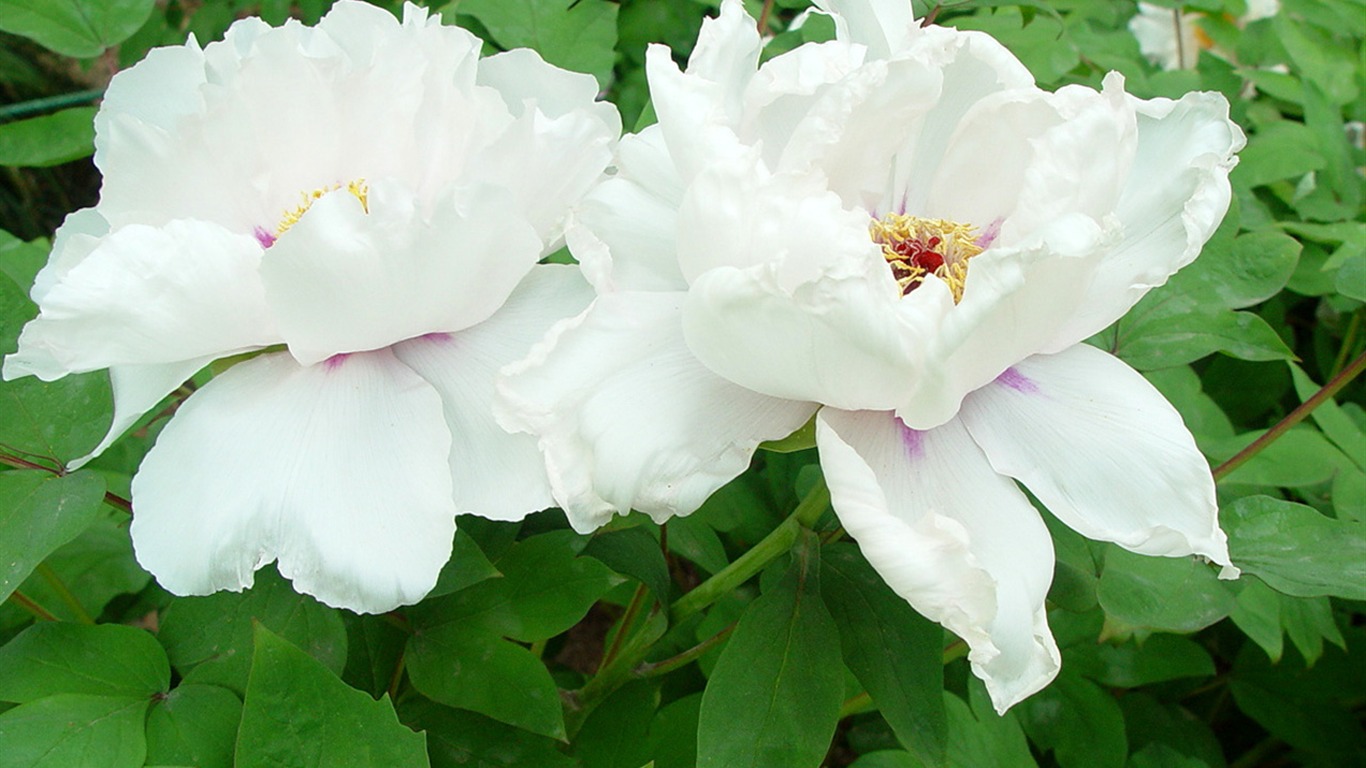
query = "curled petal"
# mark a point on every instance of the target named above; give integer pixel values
(1102, 449)
(353, 276)
(959, 542)
(338, 471)
(628, 418)
(148, 295)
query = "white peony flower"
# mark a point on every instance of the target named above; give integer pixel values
(899, 229)
(371, 195)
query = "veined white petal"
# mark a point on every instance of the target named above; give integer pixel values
(1172, 201)
(624, 232)
(136, 389)
(339, 471)
(1102, 449)
(840, 339)
(148, 295)
(952, 537)
(1014, 300)
(348, 279)
(497, 475)
(78, 236)
(959, 542)
(628, 418)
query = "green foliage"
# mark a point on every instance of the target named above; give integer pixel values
(774, 696)
(297, 712)
(543, 648)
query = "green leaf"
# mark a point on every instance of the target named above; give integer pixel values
(896, 654)
(634, 552)
(1078, 721)
(1239, 272)
(209, 639)
(1157, 659)
(1258, 615)
(297, 712)
(1296, 550)
(673, 734)
(1189, 334)
(1161, 593)
(460, 739)
(374, 653)
(194, 725)
(74, 731)
(1335, 423)
(96, 567)
(468, 565)
(48, 140)
(40, 512)
(887, 758)
(100, 660)
(1303, 707)
(1285, 150)
(692, 538)
(1168, 728)
(1309, 621)
(1351, 278)
(614, 736)
(580, 35)
(1299, 458)
(546, 589)
(78, 28)
(20, 261)
(979, 736)
(462, 666)
(773, 699)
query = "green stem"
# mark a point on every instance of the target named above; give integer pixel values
(632, 652)
(773, 545)
(1333, 386)
(63, 593)
(857, 705)
(956, 650)
(628, 620)
(29, 604)
(49, 104)
(685, 658)
(110, 498)
(1349, 340)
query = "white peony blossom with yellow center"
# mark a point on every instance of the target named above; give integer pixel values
(371, 196)
(898, 232)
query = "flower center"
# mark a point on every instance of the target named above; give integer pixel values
(357, 187)
(916, 247)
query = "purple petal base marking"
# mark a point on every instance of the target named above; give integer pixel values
(263, 237)
(1017, 381)
(334, 362)
(912, 440)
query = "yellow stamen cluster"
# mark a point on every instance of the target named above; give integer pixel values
(307, 199)
(916, 247)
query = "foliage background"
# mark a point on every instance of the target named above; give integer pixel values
(543, 648)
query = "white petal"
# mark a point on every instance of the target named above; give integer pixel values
(885, 26)
(840, 340)
(628, 418)
(345, 280)
(559, 144)
(339, 471)
(1014, 301)
(78, 237)
(136, 389)
(1102, 449)
(496, 475)
(959, 542)
(149, 295)
(700, 110)
(1173, 200)
(624, 232)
